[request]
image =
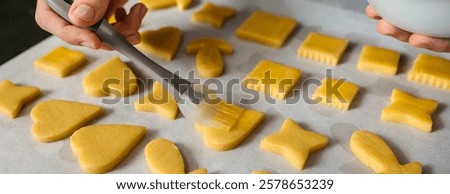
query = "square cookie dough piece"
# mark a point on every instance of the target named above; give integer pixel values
(272, 78)
(60, 62)
(266, 28)
(379, 60)
(336, 93)
(431, 70)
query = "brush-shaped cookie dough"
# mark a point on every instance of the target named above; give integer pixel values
(100, 148)
(113, 77)
(159, 101)
(222, 140)
(410, 110)
(431, 70)
(57, 119)
(13, 97)
(379, 60)
(294, 143)
(163, 43)
(336, 93)
(60, 61)
(209, 55)
(213, 15)
(323, 48)
(266, 28)
(272, 78)
(372, 151)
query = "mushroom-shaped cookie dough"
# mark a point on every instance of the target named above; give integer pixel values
(209, 55)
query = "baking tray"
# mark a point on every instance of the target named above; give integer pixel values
(19, 153)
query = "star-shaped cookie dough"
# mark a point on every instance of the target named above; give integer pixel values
(12, 97)
(213, 15)
(294, 143)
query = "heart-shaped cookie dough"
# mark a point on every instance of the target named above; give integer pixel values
(100, 148)
(222, 140)
(56, 119)
(163, 43)
(159, 101)
(113, 77)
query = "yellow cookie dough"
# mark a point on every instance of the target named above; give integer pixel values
(209, 55)
(199, 171)
(60, 62)
(379, 60)
(372, 151)
(160, 4)
(222, 140)
(294, 143)
(410, 110)
(13, 97)
(336, 93)
(272, 78)
(431, 70)
(213, 15)
(163, 43)
(322, 48)
(100, 148)
(56, 119)
(266, 28)
(163, 157)
(159, 101)
(113, 77)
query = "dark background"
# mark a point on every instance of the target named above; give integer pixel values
(18, 29)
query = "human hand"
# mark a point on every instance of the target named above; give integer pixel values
(416, 40)
(84, 13)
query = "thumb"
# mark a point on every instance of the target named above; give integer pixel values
(87, 12)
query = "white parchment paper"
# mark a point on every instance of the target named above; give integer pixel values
(19, 153)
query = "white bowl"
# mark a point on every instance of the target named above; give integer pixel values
(427, 17)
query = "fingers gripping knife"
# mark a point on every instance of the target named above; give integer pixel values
(192, 99)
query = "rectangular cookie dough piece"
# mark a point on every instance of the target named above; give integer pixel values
(323, 48)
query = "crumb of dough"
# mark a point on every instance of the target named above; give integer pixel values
(199, 171)
(261, 172)
(161, 4)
